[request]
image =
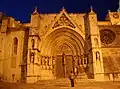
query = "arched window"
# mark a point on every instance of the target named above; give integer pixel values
(15, 45)
(33, 43)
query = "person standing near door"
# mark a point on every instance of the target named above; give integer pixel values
(72, 77)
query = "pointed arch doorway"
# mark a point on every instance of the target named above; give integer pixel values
(63, 45)
(64, 61)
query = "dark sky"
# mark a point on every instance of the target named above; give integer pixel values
(22, 9)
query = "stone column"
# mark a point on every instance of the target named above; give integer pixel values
(111, 77)
(119, 77)
(53, 66)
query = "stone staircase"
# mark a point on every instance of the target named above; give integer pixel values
(53, 82)
(63, 82)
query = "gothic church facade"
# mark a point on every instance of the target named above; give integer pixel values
(51, 45)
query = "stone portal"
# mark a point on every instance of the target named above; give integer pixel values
(64, 61)
(63, 68)
(66, 47)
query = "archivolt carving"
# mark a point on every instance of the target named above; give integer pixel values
(107, 36)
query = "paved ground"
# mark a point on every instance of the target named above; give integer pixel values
(62, 85)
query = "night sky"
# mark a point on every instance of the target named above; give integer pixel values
(22, 9)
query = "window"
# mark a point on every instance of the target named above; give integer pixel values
(33, 43)
(15, 45)
(107, 36)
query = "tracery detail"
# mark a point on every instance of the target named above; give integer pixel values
(63, 21)
(107, 36)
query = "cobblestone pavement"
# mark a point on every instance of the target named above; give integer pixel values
(62, 85)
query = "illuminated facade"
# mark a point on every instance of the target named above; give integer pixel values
(51, 45)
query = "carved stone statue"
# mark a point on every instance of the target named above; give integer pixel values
(63, 58)
(32, 57)
(97, 55)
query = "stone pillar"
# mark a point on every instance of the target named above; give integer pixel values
(111, 77)
(119, 7)
(118, 77)
(53, 66)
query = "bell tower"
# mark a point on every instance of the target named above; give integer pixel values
(94, 46)
(33, 48)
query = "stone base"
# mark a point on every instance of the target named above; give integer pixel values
(32, 79)
(99, 77)
(82, 76)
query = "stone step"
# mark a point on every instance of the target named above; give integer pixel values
(63, 81)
